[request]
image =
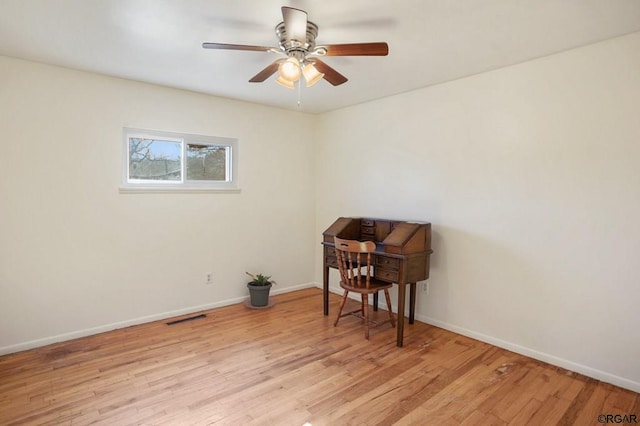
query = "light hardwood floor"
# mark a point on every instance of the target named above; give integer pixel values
(288, 365)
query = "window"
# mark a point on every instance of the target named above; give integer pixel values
(156, 161)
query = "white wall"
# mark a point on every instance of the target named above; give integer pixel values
(530, 176)
(77, 257)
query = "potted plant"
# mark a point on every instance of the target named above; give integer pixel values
(259, 287)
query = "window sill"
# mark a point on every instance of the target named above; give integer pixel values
(175, 189)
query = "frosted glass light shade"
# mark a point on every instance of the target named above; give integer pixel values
(311, 74)
(284, 82)
(290, 69)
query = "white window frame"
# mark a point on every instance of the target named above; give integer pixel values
(184, 185)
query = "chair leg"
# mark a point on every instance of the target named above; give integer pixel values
(365, 307)
(386, 295)
(362, 296)
(344, 300)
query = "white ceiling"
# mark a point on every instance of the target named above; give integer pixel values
(430, 41)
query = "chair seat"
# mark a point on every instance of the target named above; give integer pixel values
(374, 286)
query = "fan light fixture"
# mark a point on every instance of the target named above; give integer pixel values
(290, 69)
(289, 72)
(284, 82)
(311, 74)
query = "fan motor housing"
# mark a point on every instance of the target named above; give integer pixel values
(290, 46)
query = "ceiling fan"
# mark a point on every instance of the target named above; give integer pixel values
(297, 40)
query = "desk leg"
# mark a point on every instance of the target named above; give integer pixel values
(412, 302)
(400, 324)
(375, 301)
(325, 289)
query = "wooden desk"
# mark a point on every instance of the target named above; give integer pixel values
(401, 257)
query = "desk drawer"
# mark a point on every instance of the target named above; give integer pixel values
(331, 262)
(388, 275)
(387, 262)
(369, 230)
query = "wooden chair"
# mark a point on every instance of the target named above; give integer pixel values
(354, 257)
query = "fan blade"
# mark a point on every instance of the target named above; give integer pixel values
(357, 49)
(295, 23)
(224, 46)
(331, 75)
(265, 73)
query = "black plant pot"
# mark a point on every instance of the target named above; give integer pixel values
(259, 294)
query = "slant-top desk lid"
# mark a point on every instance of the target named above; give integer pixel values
(391, 236)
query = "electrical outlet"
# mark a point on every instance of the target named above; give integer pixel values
(209, 278)
(425, 288)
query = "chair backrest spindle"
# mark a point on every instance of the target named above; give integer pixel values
(351, 261)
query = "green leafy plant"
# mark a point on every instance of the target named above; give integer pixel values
(261, 280)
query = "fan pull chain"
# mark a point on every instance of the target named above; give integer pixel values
(299, 104)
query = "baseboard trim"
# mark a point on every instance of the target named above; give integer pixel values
(594, 373)
(522, 350)
(31, 344)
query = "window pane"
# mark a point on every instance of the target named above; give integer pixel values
(152, 159)
(206, 162)
(168, 161)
